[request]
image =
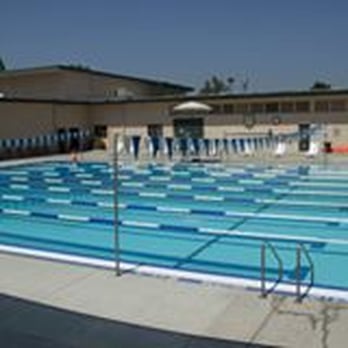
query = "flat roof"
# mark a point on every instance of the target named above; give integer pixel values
(256, 95)
(87, 70)
(181, 98)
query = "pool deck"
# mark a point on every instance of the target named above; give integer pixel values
(52, 304)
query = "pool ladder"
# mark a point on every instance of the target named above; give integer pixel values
(300, 249)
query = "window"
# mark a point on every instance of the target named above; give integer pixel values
(241, 108)
(100, 131)
(122, 92)
(216, 108)
(155, 130)
(302, 106)
(228, 108)
(272, 107)
(337, 105)
(249, 120)
(287, 107)
(321, 106)
(256, 108)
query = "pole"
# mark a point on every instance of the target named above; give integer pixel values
(325, 147)
(298, 274)
(116, 218)
(263, 270)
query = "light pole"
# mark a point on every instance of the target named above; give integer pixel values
(326, 149)
(116, 217)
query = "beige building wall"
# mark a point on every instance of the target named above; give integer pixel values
(133, 118)
(25, 119)
(21, 120)
(65, 84)
(83, 86)
(69, 85)
(38, 85)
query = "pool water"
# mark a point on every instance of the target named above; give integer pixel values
(206, 219)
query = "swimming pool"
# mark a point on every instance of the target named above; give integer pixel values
(193, 220)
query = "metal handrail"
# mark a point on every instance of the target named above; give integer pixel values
(264, 291)
(302, 249)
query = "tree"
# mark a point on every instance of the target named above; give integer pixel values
(81, 67)
(245, 85)
(320, 85)
(215, 85)
(2, 65)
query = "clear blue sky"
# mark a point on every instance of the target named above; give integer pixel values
(277, 44)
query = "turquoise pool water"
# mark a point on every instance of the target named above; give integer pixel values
(209, 219)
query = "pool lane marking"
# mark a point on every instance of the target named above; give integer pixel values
(208, 198)
(194, 197)
(230, 188)
(101, 192)
(317, 184)
(55, 200)
(73, 217)
(178, 186)
(286, 217)
(170, 209)
(203, 180)
(91, 182)
(224, 188)
(133, 184)
(59, 189)
(84, 175)
(311, 192)
(302, 203)
(273, 236)
(19, 178)
(144, 224)
(16, 212)
(65, 189)
(178, 228)
(267, 172)
(53, 181)
(152, 194)
(12, 197)
(19, 187)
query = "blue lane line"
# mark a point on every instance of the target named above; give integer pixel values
(155, 207)
(143, 224)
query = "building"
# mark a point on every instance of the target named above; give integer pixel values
(58, 99)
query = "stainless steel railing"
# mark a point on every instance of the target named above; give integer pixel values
(301, 249)
(267, 245)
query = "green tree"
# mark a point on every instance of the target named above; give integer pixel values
(216, 85)
(320, 85)
(2, 65)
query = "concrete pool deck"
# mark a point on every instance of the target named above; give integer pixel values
(52, 304)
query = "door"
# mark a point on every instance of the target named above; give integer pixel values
(155, 130)
(188, 128)
(304, 133)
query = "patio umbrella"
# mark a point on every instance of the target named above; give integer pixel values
(192, 107)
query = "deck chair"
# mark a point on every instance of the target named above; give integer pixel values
(280, 149)
(120, 146)
(313, 150)
(248, 151)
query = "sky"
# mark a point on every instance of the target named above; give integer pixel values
(275, 44)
